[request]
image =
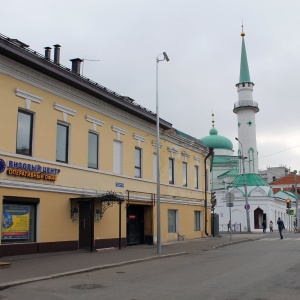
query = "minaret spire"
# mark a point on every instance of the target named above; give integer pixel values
(246, 109)
(244, 69)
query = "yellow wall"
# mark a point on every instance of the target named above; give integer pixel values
(55, 223)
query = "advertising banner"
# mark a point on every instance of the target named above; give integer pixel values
(15, 222)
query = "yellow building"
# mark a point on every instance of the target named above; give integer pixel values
(78, 163)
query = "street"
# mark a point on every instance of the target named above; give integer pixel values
(268, 268)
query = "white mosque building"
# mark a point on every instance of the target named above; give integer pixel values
(229, 172)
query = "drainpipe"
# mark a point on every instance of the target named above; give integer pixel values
(210, 152)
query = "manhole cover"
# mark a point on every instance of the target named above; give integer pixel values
(120, 272)
(86, 286)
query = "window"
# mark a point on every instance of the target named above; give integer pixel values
(24, 134)
(184, 174)
(118, 157)
(172, 220)
(251, 159)
(138, 163)
(93, 150)
(62, 143)
(171, 170)
(196, 177)
(154, 167)
(197, 220)
(19, 219)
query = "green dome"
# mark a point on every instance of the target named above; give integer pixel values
(217, 141)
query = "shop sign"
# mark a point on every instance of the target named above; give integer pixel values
(15, 222)
(16, 168)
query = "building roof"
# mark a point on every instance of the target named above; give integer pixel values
(251, 180)
(213, 140)
(230, 173)
(286, 180)
(197, 141)
(244, 69)
(20, 52)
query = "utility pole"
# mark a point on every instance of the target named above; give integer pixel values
(247, 206)
(296, 195)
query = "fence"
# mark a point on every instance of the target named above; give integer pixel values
(236, 227)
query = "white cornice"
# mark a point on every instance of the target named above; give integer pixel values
(139, 137)
(28, 97)
(94, 120)
(119, 131)
(81, 191)
(172, 150)
(185, 154)
(155, 144)
(65, 110)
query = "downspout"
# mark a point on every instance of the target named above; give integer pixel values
(210, 152)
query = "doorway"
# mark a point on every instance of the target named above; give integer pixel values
(85, 224)
(259, 217)
(135, 225)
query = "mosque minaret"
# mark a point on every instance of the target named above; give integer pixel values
(246, 109)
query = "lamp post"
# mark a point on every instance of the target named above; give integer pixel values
(245, 187)
(165, 57)
(296, 195)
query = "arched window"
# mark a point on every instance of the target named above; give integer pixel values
(251, 159)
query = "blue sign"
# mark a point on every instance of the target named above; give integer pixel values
(2, 165)
(119, 184)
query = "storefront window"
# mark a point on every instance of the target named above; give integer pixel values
(18, 222)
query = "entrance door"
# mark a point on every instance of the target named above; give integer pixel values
(258, 218)
(135, 225)
(85, 224)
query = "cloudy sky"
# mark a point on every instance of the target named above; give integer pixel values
(119, 41)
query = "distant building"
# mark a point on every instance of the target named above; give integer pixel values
(273, 173)
(286, 183)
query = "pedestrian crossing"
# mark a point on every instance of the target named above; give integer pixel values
(278, 238)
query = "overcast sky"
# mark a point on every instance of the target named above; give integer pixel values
(202, 39)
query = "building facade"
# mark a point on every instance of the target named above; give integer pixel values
(78, 163)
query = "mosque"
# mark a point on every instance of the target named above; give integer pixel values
(236, 177)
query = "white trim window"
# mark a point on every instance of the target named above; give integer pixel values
(118, 157)
(171, 171)
(196, 177)
(24, 133)
(138, 162)
(197, 220)
(184, 174)
(154, 167)
(62, 142)
(172, 220)
(93, 150)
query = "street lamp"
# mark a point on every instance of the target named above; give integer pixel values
(296, 196)
(245, 187)
(165, 57)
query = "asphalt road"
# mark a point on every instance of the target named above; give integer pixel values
(267, 269)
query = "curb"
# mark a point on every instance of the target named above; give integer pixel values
(235, 242)
(7, 285)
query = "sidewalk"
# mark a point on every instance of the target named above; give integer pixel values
(29, 268)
